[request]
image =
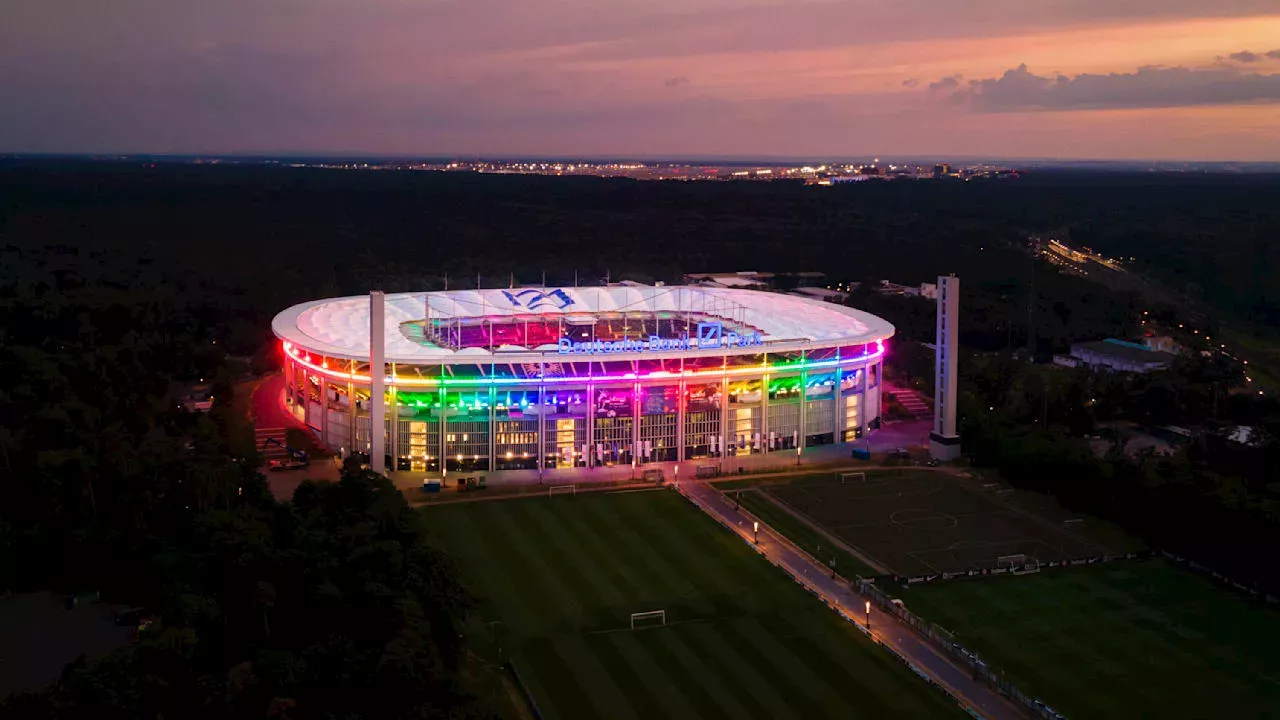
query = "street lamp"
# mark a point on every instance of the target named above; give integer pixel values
(868, 615)
(755, 527)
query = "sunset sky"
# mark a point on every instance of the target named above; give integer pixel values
(1176, 79)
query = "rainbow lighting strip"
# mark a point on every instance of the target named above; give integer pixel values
(305, 360)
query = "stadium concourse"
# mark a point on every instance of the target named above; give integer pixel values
(270, 410)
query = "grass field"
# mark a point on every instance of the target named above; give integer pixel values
(918, 522)
(564, 574)
(1123, 640)
(758, 504)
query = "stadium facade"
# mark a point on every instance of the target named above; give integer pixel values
(582, 377)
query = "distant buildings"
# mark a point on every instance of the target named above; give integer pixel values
(748, 280)
(1117, 355)
(924, 290)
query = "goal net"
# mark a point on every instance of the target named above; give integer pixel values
(852, 477)
(1031, 565)
(1010, 561)
(651, 618)
(562, 490)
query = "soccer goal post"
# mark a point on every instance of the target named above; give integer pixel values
(1010, 561)
(562, 490)
(650, 618)
(1028, 567)
(852, 477)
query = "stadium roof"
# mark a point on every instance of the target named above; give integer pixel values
(339, 327)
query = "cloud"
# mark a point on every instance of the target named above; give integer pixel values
(910, 83)
(1020, 90)
(1245, 56)
(946, 83)
(676, 82)
(1274, 54)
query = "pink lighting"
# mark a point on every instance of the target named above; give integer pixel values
(484, 382)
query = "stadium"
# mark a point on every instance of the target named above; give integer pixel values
(565, 378)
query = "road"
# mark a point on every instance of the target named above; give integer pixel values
(886, 629)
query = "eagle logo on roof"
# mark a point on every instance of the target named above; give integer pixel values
(533, 299)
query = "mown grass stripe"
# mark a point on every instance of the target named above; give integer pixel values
(576, 566)
(669, 696)
(624, 674)
(712, 681)
(752, 639)
(585, 689)
(629, 561)
(485, 559)
(749, 679)
(532, 566)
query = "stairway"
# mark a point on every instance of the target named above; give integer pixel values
(272, 451)
(912, 401)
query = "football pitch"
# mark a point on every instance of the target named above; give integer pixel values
(923, 522)
(562, 575)
(1122, 640)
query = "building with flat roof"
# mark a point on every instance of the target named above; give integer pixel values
(1121, 355)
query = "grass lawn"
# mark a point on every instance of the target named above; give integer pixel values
(564, 574)
(803, 535)
(1124, 640)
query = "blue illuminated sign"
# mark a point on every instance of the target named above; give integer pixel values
(710, 336)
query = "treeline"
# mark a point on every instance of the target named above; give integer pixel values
(255, 239)
(1213, 499)
(334, 605)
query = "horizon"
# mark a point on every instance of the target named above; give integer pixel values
(1148, 81)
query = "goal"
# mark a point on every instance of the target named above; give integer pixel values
(562, 490)
(852, 477)
(1029, 566)
(650, 618)
(1010, 561)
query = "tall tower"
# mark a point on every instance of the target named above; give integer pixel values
(377, 381)
(944, 441)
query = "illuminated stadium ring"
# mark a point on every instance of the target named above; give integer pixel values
(584, 377)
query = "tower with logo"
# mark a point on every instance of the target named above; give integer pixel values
(944, 440)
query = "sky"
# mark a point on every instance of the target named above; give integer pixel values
(1140, 79)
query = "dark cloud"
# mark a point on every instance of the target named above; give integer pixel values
(1274, 54)
(1020, 90)
(1244, 56)
(676, 82)
(910, 83)
(946, 83)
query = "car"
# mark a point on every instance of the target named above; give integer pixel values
(282, 465)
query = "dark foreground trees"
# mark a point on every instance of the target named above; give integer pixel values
(332, 607)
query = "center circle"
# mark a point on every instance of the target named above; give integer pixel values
(923, 518)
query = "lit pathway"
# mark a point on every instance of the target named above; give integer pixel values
(886, 629)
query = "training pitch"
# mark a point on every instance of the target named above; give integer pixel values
(919, 522)
(1131, 639)
(561, 576)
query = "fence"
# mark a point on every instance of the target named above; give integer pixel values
(1196, 567)
(908, 581)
